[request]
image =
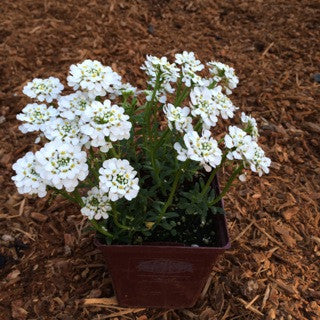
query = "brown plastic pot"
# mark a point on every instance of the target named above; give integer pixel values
(165, 275)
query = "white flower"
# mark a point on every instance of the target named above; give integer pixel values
(62, 164)
(189, 60)
(118, 179)
(66, 131)
(182, 153)
(189, 66)
(179, 117)
(203, 149)
(123, 89)
(73, 105)
(27, 179)
(259, 162)
(243, 147)
(94, 78)
(223, 103)
(36, 116)
(209, 104)
(152, 66)
(43, 89)
(240, 144)
(105, 120)
(96, 204)
(166, 72)
(203, 105)
(106, 147)
(225, 74)
(252, 127)
(160, 95)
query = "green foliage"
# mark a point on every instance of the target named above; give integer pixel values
(173, 203)
(149, 216)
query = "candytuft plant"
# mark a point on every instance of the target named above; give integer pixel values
(139, 163)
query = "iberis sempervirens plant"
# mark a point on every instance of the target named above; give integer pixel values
(105, 146)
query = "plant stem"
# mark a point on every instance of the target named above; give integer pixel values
(178, 89)
(148, 110)
(78, 197)
(154, 166)
(212, 85)
(197, 126)
(103, 156)
(114, 152)
(221, 140)
(148, 136)
(184, 94)
(132, 143)
(173, 190)
(161, 140)
(228, 185)
(92, 167)
(209, 181)
(212, 175)
(65, 195)
(115, 218)
(147, 122)
(102, 230)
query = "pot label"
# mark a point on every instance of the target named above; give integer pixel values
(163, 266)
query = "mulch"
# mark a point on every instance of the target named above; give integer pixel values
(49, 267)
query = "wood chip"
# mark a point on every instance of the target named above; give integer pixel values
(251, 308)
(39, 217)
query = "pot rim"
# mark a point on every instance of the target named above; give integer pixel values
(171, 245)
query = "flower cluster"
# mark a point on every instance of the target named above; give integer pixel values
(66, 131)
(178, 117)
(43, 89)
(125, 89)
(118, 179)
(251, 125)
(189, 66)
(239, 143)
(96, 204)
(259, 162)
(78, 120)
(224, 74)
(56, 165)
(62, 165)
(27, 179)
(73, 105)
(93, 78)
(243, 147)
(209, 104)
(203, 105)
(101, 121)
(203, 149)
(160, 73)
(36, 117)
(224, 104)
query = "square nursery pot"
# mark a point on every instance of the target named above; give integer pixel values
(165, 275)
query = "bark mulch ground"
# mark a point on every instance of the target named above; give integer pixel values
(49, 265)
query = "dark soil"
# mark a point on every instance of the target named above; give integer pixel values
(49, 265)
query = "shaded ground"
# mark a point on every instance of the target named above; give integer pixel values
(51, 264)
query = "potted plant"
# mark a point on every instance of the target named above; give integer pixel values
(142, 166)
